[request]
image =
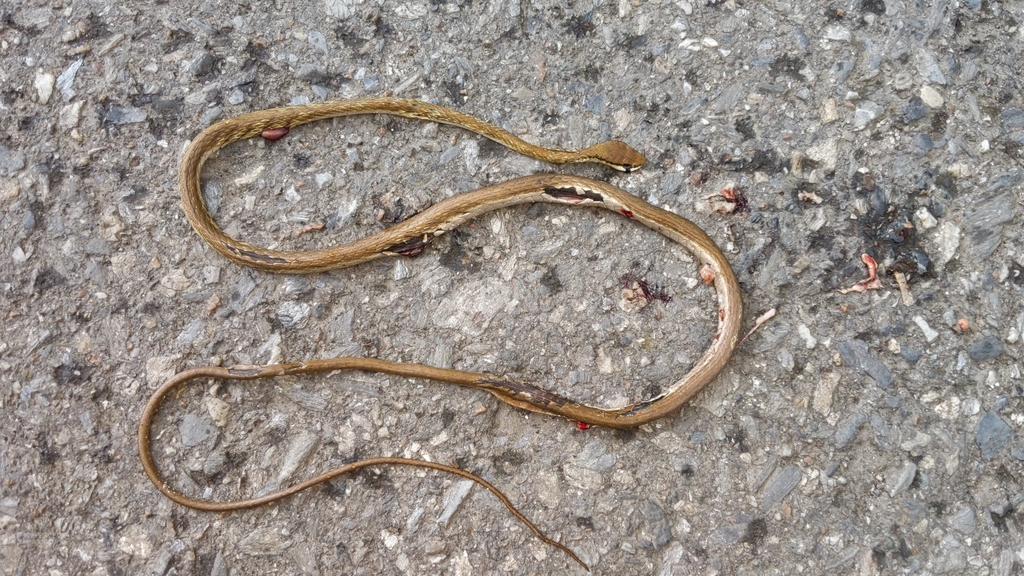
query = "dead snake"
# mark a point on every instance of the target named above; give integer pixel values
(409, 238)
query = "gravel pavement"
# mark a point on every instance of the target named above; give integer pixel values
(858, 432)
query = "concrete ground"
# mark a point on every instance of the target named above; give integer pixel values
(875, 432)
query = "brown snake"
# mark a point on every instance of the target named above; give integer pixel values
(409, 238)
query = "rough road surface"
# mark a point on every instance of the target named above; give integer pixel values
(855, 433)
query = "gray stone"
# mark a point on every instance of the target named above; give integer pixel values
(847, 430)
(855, 355)
(202, 64)
(318, 41)
(1012, 120)
(779, 486)
(992, 435)
(986, 348)
(731, 534)
(194, 430)
(312, 73)
(10, 162)
(191, 332)
(300, 449)
(964, 521)
(657, 529)
(910, 354)
(220, 565)
(290, 313)
(66, 80)
(923, 142)
(118, 115)
(866, 113)
(928, 68)
(97, 247)
(984, 223)
(903, 479)
(453, 497)
(306, 399)
(215, 463)
(594, 457)
(914, 110)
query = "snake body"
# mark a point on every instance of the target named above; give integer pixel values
(411, 236)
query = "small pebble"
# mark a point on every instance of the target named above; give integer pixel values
(928, 67)
(44, 86)
(291, 313)
(322, 179)
(846, 431)
(914, 110)
(300, 449)
(903, 480)
(986, 348)
(211, 274)
(19, 255)
(838, 33)
(931, 97)
(923, 142)
(731, 534)
(194, 430)
(595, 457)
(118, 115)
(865, 114)
(453, 497)
(215, 463)
(964, 521)
(985, 222)
(828, 112)
(929, 333)
(211, 115)
(67, 79)
(657, 529)
(925, 219)
(318, 41)
(992, 435)
(1012, 120)
(191, 332)
(855, 355)
(202, 64)
(780, 485)
(910, 354)
(809, 340)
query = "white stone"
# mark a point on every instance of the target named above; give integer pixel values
(929, 333)
(390, 538)
(946, 240)
(829, 112)
(218, 410)
(931, 97)
(44, 86)
(70, 115)
(925, 219)
(805, 333)
(838, 33)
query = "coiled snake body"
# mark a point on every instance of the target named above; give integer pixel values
(409, 238)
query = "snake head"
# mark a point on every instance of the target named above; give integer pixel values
(616, 154)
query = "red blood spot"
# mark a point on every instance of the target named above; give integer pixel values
(275, 133)
(626, 213)
(582, 426)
